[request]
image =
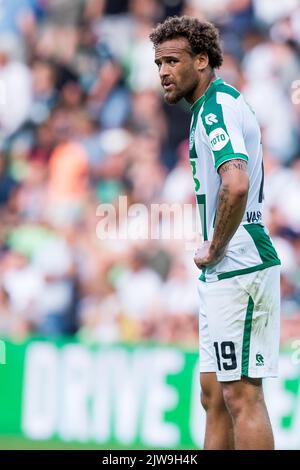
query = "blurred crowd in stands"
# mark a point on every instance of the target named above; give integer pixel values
(83, 123)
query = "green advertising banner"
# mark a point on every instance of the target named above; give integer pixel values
(127, 396)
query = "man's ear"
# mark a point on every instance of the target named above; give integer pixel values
(202, 61)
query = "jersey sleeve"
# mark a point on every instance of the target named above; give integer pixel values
(223, 125)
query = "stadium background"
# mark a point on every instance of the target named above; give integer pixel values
(99, 335)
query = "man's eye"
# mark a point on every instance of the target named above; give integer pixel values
(172, 62)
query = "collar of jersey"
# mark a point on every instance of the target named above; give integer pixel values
(197, 105)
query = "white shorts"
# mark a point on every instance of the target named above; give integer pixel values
(239, 325)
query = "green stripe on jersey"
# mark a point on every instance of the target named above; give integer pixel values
(241, 272)
(224, 88)
(246, 337)
(262, 242)
(215, 127)
(192, 148)
(252, 269)
(201, 201)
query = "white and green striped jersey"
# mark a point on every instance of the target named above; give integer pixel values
(224, 128)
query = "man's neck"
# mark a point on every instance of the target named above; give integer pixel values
(204, 84)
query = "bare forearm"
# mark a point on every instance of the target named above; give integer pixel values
(230, 211)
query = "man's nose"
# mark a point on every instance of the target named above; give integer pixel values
(164, 70)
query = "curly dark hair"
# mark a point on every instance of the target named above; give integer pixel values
(202, 36)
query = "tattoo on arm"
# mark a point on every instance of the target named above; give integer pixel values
(233, 165)
(231, 205)
(225, 210)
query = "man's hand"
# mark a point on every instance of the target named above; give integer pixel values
(206, 255)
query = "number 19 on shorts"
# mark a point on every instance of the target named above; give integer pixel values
(225, 354)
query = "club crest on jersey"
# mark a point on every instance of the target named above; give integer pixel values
(218, 139)
(192, 139)
(211, 119)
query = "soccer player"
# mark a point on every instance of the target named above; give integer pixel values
(239, 285)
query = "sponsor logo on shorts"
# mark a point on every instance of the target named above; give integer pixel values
(218, 138)
(260, 360)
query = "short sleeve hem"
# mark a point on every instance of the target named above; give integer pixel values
(231, 156)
